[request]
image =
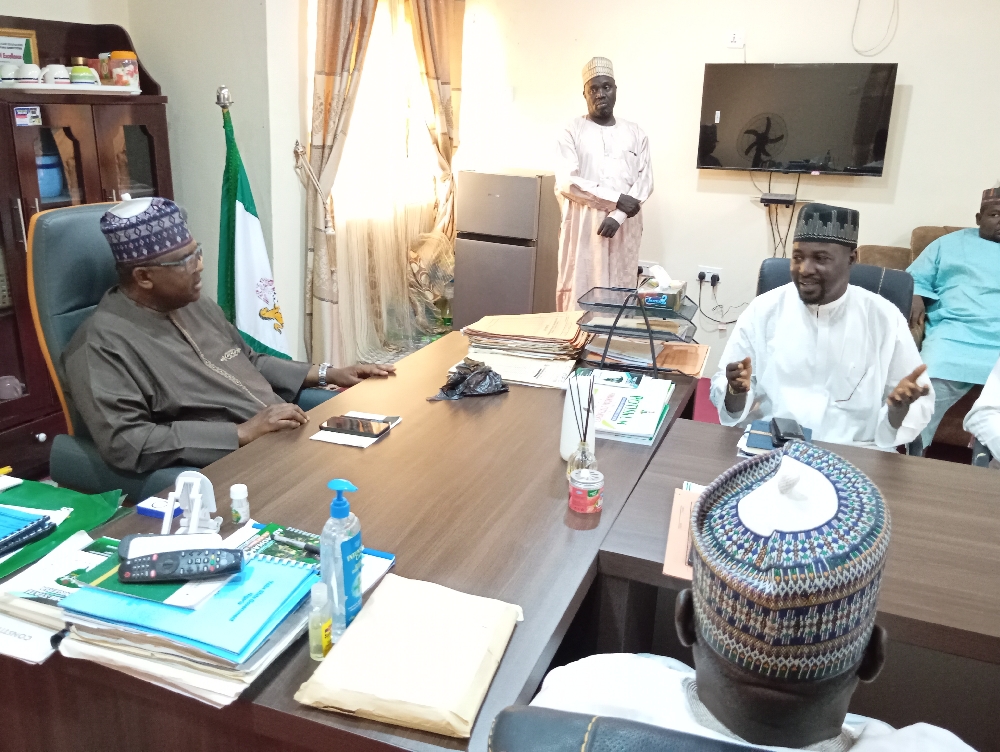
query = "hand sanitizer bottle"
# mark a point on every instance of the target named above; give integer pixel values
(340, 558)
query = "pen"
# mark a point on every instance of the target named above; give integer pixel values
(307, 547)
(5, 470)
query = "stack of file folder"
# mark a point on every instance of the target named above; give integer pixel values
(533, 335)
(532, 349)
(211, 652)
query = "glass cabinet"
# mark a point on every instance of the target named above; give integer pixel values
(58, 151)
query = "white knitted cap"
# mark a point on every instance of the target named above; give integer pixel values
(598, 66)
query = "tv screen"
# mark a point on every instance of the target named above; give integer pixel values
(815, 118)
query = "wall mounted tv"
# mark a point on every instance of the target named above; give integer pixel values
(813, 118)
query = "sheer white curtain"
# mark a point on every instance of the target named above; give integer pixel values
(384, 193)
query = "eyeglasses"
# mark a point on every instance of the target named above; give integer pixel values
(189, 262)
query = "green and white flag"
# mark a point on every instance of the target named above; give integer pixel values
(246, 286)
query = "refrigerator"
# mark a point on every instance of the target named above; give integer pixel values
(507, 245)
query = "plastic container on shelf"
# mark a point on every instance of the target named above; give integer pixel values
(50, 175)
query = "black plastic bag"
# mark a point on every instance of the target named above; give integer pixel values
(470, 379)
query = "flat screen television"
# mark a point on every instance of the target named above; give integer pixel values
(814, 118)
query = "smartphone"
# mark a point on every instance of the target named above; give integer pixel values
(356, 426)
(784, 430)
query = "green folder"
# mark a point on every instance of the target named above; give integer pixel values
(89, 511)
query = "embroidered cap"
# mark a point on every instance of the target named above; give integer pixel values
(991, 195)
(790, 548)
(143, 229)
(598, 66)
(827, 224)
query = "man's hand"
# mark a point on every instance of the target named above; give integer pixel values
(356, 374)
(271, 418)
(628, 205)
(907, 392)
(917, 313)
(608, 228)
(738, 378)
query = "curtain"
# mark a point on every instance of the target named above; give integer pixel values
(343, 29)
(437, 36)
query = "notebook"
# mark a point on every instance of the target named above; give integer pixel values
(18, 528)
(232, 624)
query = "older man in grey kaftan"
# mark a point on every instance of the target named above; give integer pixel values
(158, 374)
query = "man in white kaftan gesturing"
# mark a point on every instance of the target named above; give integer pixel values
(604, 176)
(834, 357)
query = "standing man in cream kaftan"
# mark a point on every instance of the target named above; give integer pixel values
(604, 177)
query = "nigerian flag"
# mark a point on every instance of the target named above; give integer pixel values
(246, 286)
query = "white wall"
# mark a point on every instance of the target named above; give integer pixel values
(521, 83)
(251, 46)
(74, 11)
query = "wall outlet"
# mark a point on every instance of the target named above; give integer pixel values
(709, 271)
(736, 38)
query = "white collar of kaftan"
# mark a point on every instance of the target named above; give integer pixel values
(826, 310)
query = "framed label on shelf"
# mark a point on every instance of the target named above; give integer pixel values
(18, 46)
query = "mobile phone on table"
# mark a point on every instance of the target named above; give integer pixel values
(356, 426)
(784, 430)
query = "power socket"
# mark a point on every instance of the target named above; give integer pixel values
(709, 271)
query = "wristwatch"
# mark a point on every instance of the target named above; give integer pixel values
(322, 373)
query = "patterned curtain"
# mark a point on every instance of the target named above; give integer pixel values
(343, 29)
(437, 36)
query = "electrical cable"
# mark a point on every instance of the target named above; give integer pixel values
(701, 284)
(892, 26)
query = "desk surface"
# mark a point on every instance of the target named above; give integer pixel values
(469, 494)
(941, 587)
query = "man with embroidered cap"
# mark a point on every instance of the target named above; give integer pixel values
(956, 288)
(837, 358)
(158, 374)
(603, 178)
(788, 553)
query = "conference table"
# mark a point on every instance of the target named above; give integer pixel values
(940, 596)
(469, 494)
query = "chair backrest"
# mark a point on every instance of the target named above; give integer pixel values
(70, 267)
(523, 728)
(892, 284)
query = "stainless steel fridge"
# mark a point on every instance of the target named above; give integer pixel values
(506, 252)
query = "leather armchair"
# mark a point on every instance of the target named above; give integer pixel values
(522, 728)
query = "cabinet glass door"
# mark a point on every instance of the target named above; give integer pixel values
(57, 160)
(132, 147)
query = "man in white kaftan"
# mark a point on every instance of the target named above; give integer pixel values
(983, 420)
(836, 358)
(604, 177)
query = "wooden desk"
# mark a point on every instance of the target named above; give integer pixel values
(468, 494)
(940, 597)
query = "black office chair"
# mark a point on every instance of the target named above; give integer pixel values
(892, 284)
(981, 455)
(70, 267)
(522, 728)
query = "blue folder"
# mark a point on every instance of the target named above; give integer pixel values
(232, 624)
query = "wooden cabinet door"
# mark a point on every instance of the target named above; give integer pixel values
(57, 160)
(132, 150)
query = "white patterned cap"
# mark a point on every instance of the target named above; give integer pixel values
(598, 66)
(790, 548)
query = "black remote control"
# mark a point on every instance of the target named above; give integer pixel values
(180, 566)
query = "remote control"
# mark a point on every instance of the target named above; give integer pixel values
(179, 566)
